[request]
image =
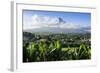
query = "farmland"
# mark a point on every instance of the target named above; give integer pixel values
(39, 47)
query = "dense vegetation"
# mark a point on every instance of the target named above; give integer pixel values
(56, 47)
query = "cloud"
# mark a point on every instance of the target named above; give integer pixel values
(39, 21)
(70, 26)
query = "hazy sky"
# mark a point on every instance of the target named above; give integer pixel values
(73, 20)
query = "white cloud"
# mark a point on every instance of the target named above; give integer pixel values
(70, 26)
(38, 21)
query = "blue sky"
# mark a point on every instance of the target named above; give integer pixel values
(73, 18)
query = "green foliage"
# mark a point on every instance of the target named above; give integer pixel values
(52, 52)
(55, 49)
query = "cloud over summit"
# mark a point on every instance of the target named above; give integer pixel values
(44, 20)
(40, 21)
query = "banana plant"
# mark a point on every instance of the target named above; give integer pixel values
(43, 50)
